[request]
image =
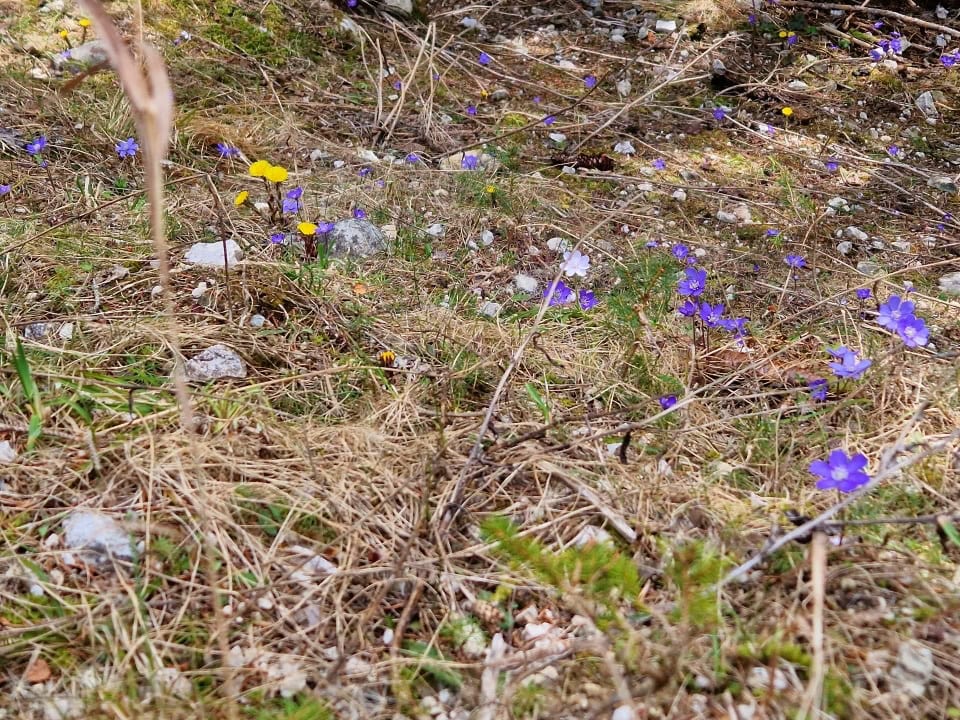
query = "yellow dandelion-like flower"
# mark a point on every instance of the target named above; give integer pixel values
(788, 111)
(276, 173)
(241, 198)
(259, 168)
(484, 94)
(84, 22)
(783, 33)
(387, 359)
(63, 34)
(306, 228)
(490, 189)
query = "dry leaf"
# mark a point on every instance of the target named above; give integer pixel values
(360, 289)
(37, 672)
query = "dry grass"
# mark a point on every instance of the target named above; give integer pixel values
(299, 533)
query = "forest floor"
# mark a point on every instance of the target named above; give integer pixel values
(433, 493)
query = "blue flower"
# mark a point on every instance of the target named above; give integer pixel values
(4, 189)
(227, 151)
(877, 54)
(818, 389)
(277, 238)
(831, 165)
(290, 205)
(364, 171)
(680, 251)
(892, 311)
(737, 326)
(484, 59)
(324, 227)
(471, 109)
(470, 162)
(752, 18)
(688, 308)
(590, 81)
(841, 471)
(651, 244)
(863, 293)
(587, 299)
(37, 146)
(719, 114)
(795, 261)
(397, 85)
(913, 331)
(896, 43)
(412, 158)
(295, 193)
(562, 294)
(549, 120)
(950, 59)
(893, 151)
(127, 148)
(359, 213)
(849, 366)
(667, 401)
(711, 315)
(659, 164)
(693, 283)
(773, 232)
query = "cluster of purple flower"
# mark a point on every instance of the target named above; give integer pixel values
(691, 286)
(896, 315)
(893, 46)
(950, 59)
(563, 294)
(849, 364)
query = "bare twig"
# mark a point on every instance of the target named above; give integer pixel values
(871, 11)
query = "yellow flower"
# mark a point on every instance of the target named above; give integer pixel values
(788, 111)
(484, 94)
(63, 34)
(259, 168)
(276, 173)
(306, 228)
(490, 189)
(84, 22)
(783, 33)
(241, 198)
(388, 358)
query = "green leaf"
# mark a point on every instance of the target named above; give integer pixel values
(542, 405)
(950, 530)
(432, 659)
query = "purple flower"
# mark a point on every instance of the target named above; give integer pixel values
(351, 3)
(752, 18)
(397, 85)
(290, 205)
(650, 244)
(680, 251)
(277, 238)
(359, 213)
(667, 401)
(950, 59)
(659, 164)
(127, 148)
(37, 146)
(484, 59)
(795, 261)
(413, 158)
(892, 311)
(719, 114)
(549, 120)
(841, 471)
(324, 227)
(849, 366)
(737, 326)
(773, 232)
(877, 54)
(562, 294)
(590, 81)
(536, 99)
(863, 293)
(227, 151)
(818, 389)
(792, 39)
(470, 162)
(471, 109)
(575, 263)
(4, 189)
(364, 171)
(893, 151)
(688, 308)
(831, 165)
(913, 331)
(896, 43)
(587, 299)
(693, 283)
(711, 314)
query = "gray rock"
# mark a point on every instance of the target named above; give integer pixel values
(53, 6)
(950, 284)
(913, 670)
(90, 53)
(499, 95)
(490, 308)
(680, 195)
(725, 217)
(868, 267)
(624, 87)
(617, 39)
(838, 203)
(98, 537)
(8, 453)
(214, 363)
(211, 254)
(36, 331)
(666, 26)
(877, 245)
(797, 85)
(927, 104)
(845, 247)
(902, 246)
(943, 184)
(855, 233)
(356, 238)
(526, 283)
(400, 8)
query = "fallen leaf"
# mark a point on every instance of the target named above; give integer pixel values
(37, 672)
(360, 289)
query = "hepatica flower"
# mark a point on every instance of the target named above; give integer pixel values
(484, 59)
(712, 315)
(470, 162)
(4, 189)
(894, 310)
(913, 331)
(849, 365)
(227, 151)
(693, 283)
(359, 213)
(126, 148)
(549, 120)
(471, 109)
(659, 164)
(719, 114)
(893, 151)
(412, 158)
(575, 263)
(325, 227)
(667, 401)
(291, 203)
(37, 146)
(818, 389)
(587, 299)
(688, 308)
(863, 294)
(841, 471)
(562, 294)
(773, 232)
(795, 261)
(590, 81)
(831, 165)
(680, 252)
(948, 60)
(278, 238)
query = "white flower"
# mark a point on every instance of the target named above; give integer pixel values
(575, 263)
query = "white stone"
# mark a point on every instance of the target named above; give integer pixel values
(368, 156)
(838, 203)
(624, 147)
(53, 6)
(624, 712)
(257, 321)
(927, 104)
(99, 537)
(265, 602)
(401, 8)
(868, 267)
(797, 85)
(7, 452)
(845, 247)
(950, 283)
(666, 26)
(172, 682)
(913, 670)
(89, 53)
(726, 217)
(557, 138)
(436, 230)
(490, 308)
(200, 290)
(526, 283)
(211, 254)
(487, 238)
(680, 195)
(624, 87)
(558, 244)
(214, 363)
(855, 233)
